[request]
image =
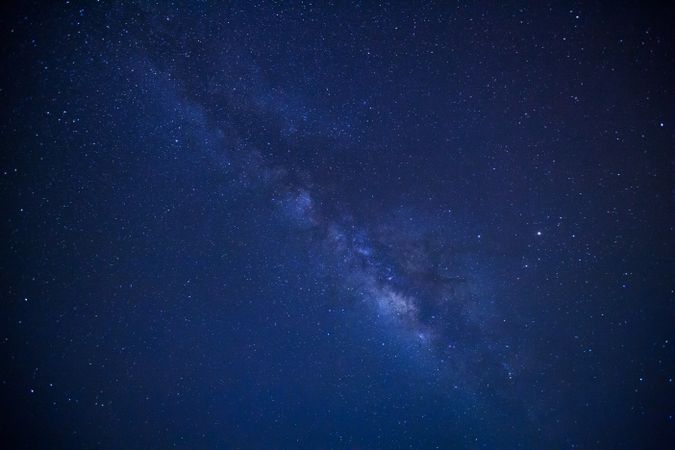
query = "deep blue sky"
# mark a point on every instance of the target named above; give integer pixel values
(367, 225)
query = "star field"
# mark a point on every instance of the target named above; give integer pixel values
(319, 225)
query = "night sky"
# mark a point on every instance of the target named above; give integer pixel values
(366, 225)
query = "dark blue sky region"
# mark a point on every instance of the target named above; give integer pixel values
(320, 225)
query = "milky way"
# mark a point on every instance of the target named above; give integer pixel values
(410, 279)
(367, 225)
